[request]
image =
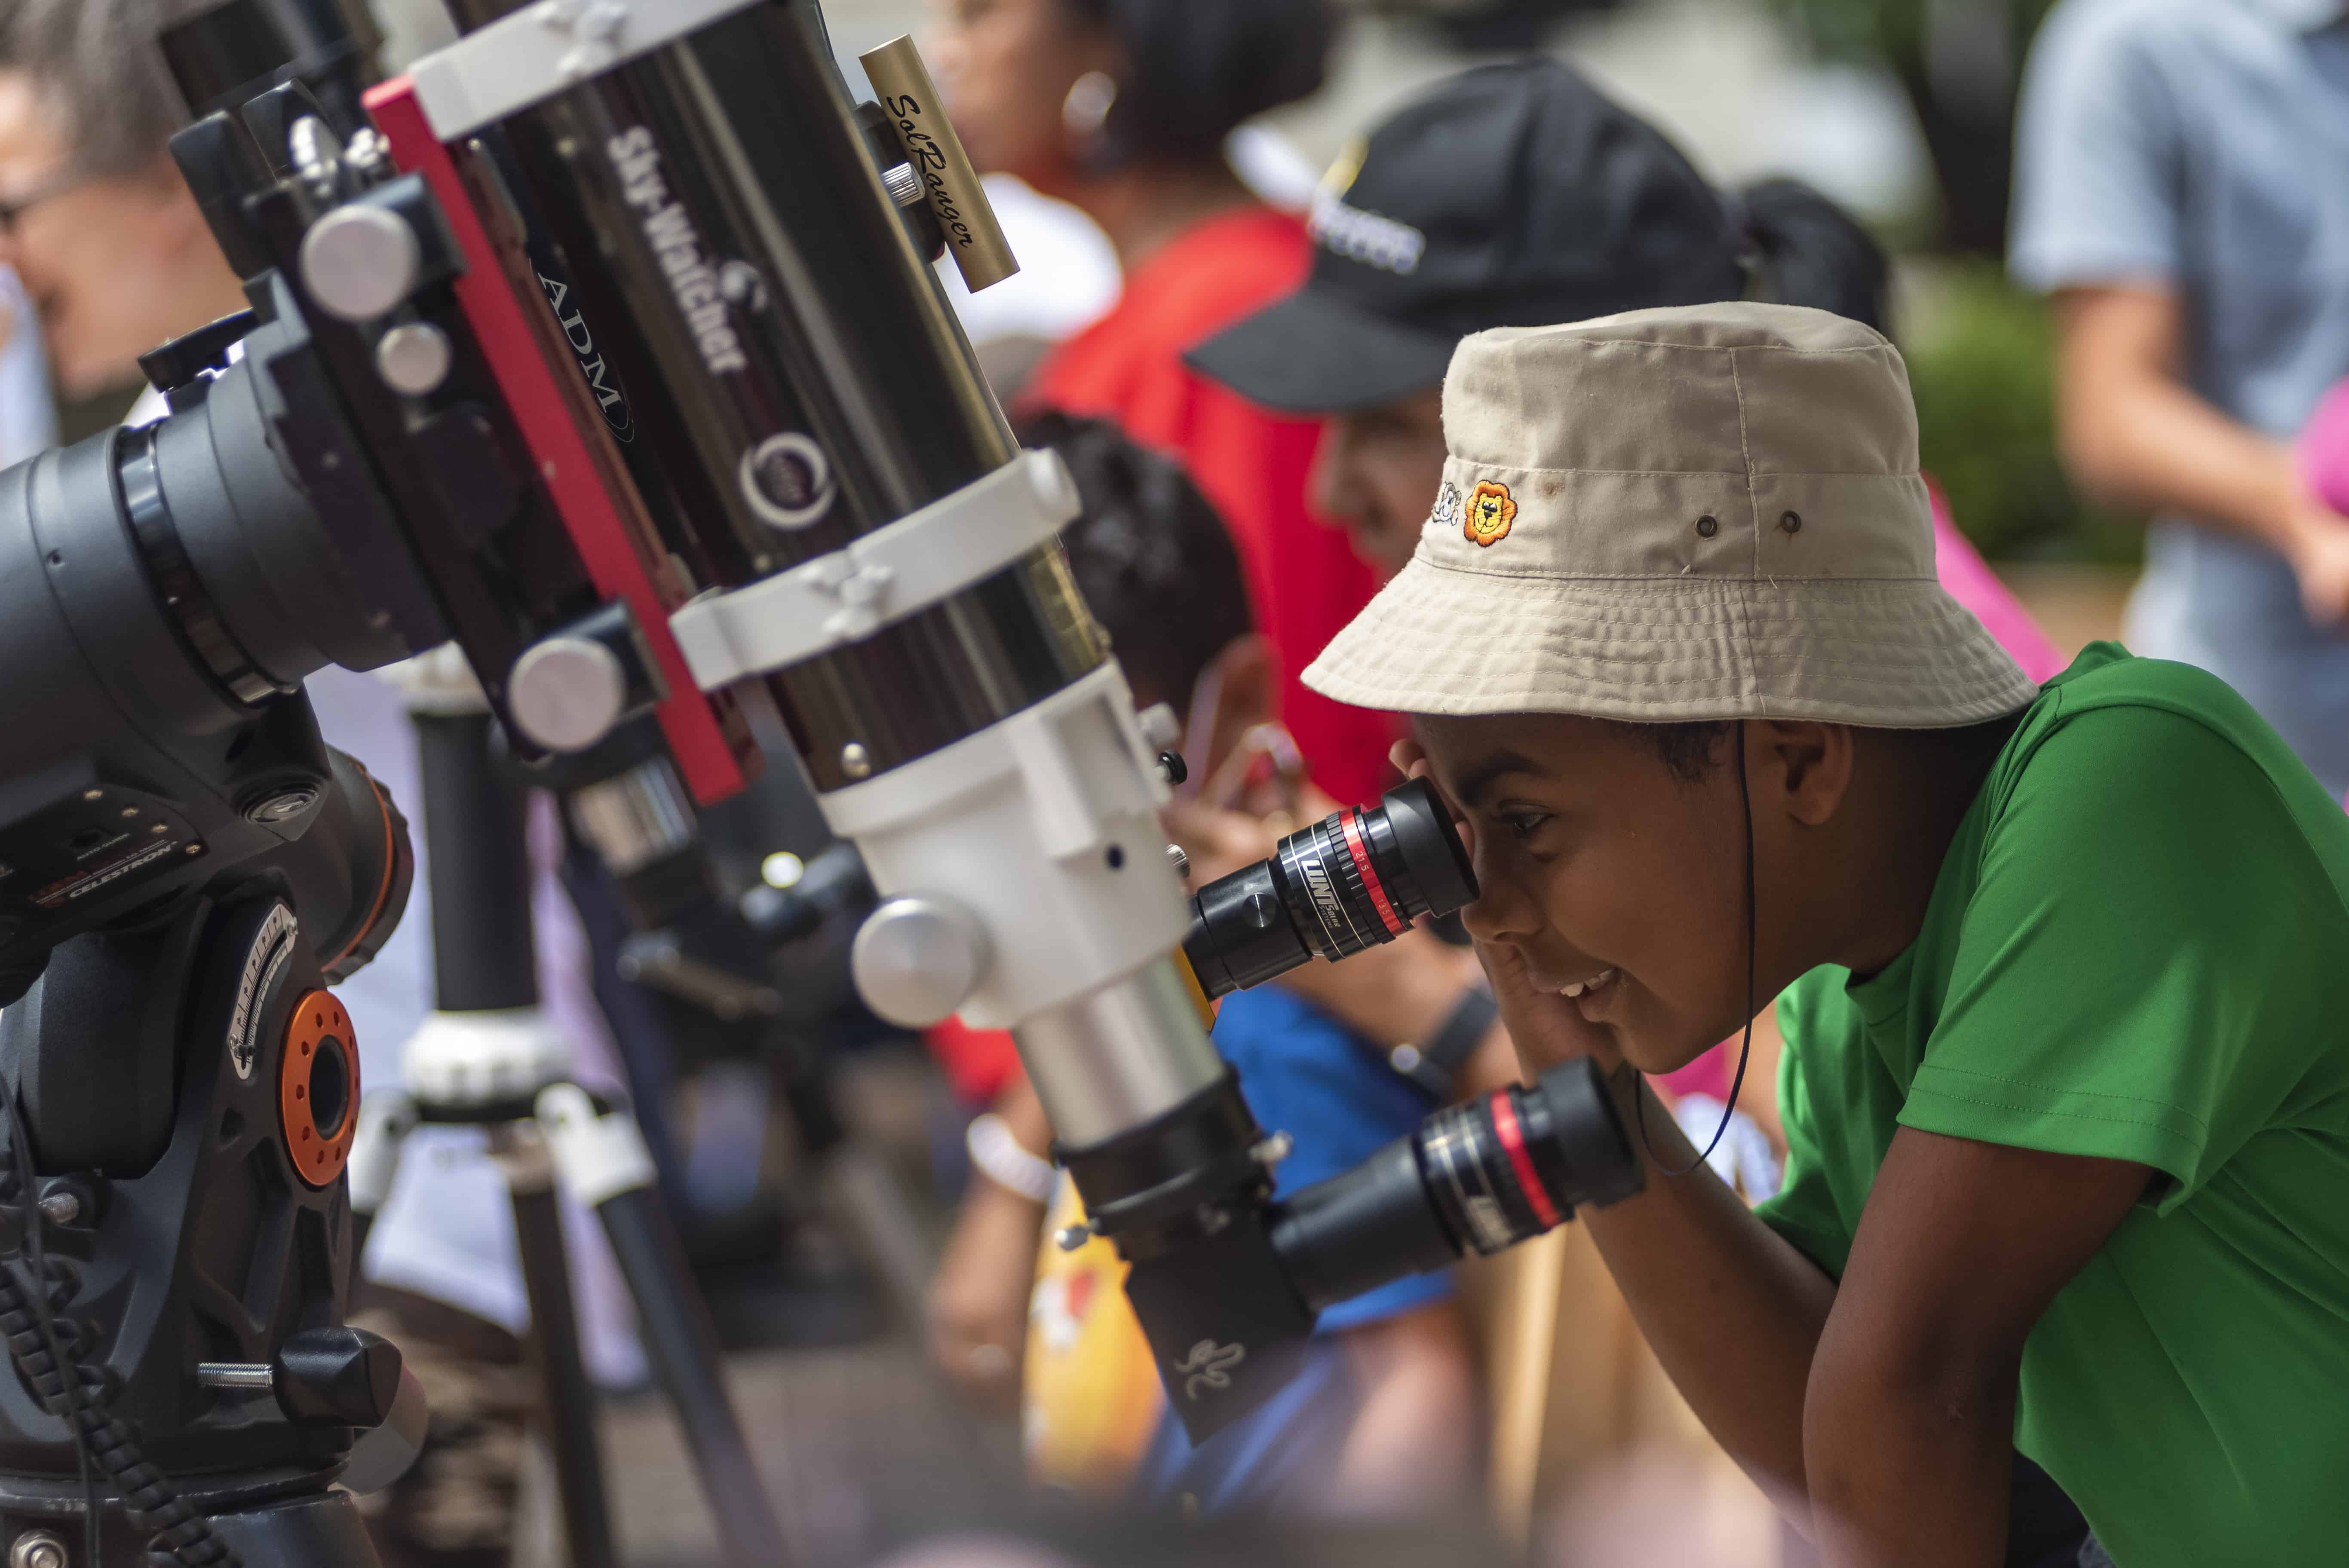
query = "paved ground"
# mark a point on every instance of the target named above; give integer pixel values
(857, 1445)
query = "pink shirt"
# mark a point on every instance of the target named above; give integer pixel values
(1973, 584)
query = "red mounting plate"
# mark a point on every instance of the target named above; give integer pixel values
(696, 735)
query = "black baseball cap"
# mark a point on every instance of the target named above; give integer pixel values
(1510, 195)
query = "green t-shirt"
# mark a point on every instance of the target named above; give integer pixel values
(2138, 948)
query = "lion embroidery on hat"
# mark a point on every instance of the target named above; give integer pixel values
(1490, 512)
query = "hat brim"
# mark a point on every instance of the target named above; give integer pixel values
(1312, 354)
(1897, 653)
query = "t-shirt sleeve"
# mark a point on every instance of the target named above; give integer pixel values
(2096, 176)
(2142, 972)
(1826, 1051)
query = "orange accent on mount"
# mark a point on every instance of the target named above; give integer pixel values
(696, 735)
(319, 1026)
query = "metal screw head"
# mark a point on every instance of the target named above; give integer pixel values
(856, 761)
(1707, 526)
(37, 1549)
(129, 811)
(61, 1208)
(93, 794)
(1179, 861)
(413, 358)
(284, 805)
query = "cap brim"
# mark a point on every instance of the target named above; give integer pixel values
(1894, 654)
(1311, 354)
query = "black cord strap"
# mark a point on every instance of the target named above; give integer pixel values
(1435, 1067)
(1745, 1049)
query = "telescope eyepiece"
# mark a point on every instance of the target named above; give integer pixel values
(1356, 878)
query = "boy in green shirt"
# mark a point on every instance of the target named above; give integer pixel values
(2066, 970)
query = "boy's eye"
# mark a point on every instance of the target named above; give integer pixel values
(1524, 824)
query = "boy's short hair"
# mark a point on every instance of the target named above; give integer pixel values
(1152, 554)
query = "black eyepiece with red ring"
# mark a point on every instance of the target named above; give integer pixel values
(1356, 878)
(1478, 1177)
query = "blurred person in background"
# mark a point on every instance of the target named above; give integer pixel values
(94, 217)
(1381, 1417)
(117, 259)
(28, 414)
(2182, 191)
(1122, 108)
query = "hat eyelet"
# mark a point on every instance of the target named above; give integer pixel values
(1791, 522)
(1707, 526)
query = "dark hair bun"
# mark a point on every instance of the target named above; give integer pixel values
(1815, 253)
(1201, 68)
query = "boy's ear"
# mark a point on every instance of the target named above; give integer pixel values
(1813, 765)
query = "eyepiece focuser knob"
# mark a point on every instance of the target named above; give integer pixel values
(917, 959)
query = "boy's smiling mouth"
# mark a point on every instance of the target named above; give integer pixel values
(1583, 988)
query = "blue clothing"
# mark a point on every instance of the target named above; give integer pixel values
(1305, 1074)
(2203, 146)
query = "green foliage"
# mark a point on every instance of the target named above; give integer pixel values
(1897, 32)
(1980, 358)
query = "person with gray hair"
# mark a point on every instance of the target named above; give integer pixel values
(94, 217)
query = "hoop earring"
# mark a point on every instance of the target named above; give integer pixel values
(1086, 108)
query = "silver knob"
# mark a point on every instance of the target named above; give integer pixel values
(413, 358)
(361, 261)
(905, 186)
(916, 959)
(566, 693)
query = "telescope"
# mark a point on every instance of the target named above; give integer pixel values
(609, 348)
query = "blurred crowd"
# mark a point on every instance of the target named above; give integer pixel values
(1243, 361)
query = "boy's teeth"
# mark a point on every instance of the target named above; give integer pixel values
(1593, 984)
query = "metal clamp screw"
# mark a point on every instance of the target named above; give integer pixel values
(37, 1549)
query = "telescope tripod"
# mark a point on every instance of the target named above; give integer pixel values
(489, 1057)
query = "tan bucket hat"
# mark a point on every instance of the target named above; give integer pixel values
(1699, 512)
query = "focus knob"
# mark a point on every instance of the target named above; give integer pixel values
(361, 261)
(916, 959)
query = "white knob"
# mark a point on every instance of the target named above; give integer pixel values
(359, 261)
(916, 959)
(566, 693)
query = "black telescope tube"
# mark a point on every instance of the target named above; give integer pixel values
(1482, 1176)
(1353, 880)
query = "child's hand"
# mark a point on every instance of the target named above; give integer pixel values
(1546, 1027)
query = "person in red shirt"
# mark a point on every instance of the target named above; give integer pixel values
(1122, 108)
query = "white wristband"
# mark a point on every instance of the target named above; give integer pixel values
(1002, 1160)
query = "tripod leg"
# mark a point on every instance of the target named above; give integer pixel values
(604, 1164)
(570, 1399)
(386, 1118)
